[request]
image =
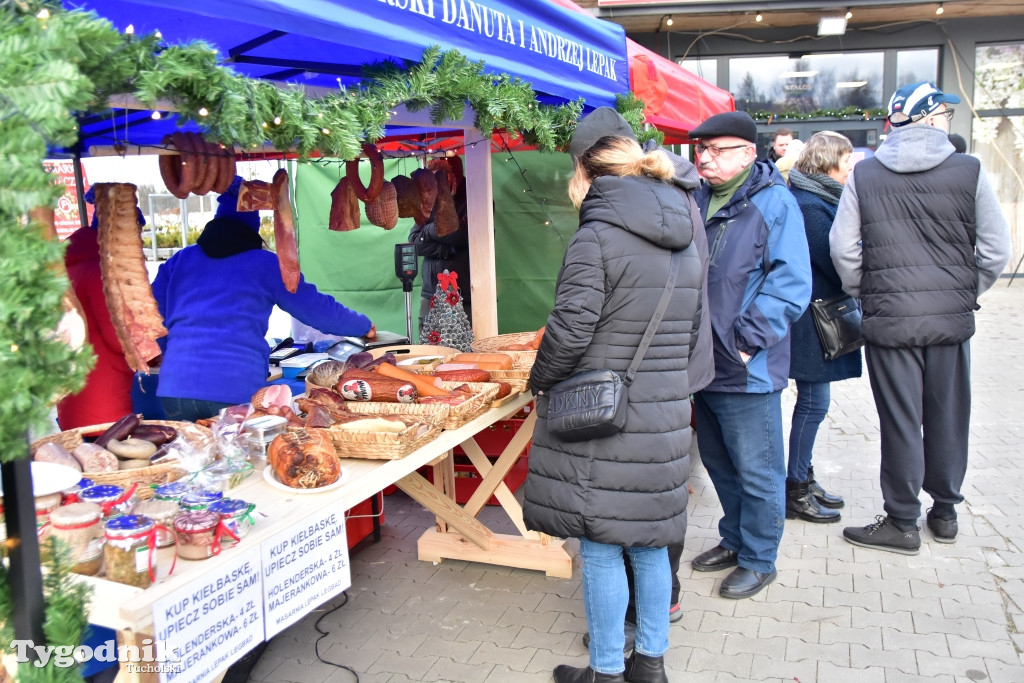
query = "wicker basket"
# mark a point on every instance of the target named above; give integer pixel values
(520, 359)
(383, 445)
(199, 437)
(431, 413)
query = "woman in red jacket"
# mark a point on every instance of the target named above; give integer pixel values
(106, 396)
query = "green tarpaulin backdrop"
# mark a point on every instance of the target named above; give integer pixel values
(357, 267)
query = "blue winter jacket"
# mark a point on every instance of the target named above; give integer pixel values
(216, 311)
(759, 280)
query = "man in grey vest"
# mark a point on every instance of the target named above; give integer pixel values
(918, 236)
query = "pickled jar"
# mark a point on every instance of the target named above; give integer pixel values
(236, 515)
(172, 491)
(79, 525)
(69, 496)
(199, 501)
(162, 512)
(197, 535)
(129, 553)
(114, 500)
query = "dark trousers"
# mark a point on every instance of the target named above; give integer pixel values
(923, 398)
(675, 552)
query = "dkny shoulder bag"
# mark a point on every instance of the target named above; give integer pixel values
(592, 404)
(838, 321)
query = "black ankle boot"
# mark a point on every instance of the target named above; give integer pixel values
(824, 498)
(643, 669)
(584, 674)
(801, 504)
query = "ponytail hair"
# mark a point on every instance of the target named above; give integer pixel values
(616, 156)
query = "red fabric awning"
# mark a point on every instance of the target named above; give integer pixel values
(677, 100)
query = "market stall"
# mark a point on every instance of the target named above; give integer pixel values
(567, 57)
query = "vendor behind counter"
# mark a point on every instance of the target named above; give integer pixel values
(216, 298)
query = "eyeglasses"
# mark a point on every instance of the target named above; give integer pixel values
(948, 114)
(715, 151)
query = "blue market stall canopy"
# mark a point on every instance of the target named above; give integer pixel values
(562, 54)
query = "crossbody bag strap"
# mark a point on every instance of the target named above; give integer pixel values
(659, 312)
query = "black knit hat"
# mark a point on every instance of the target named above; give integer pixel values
(594, 126)
(736, 124)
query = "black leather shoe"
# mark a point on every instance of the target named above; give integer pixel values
(571, 674)
(743, 583)
(643, 669)
(824, 498)
(800, 504)
(714, 560)
(944, 530)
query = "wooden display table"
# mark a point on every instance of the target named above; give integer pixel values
(262, 585)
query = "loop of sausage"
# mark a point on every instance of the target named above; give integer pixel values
(170, 171)
(196, 158)
(207, 160)
(367, 194)
(226, 167)
(188, 170)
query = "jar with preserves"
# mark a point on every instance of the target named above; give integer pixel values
(162, 512)
(199, 501)
(130, 550)
(172, 491)
(69, 496)
(236, 515)
(79, 525)
(198, 535)
(114, 500)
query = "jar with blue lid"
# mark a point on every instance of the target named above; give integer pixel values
(236, 515)
(129, 550)
(172, 491)
(112, 499)
(198, 501)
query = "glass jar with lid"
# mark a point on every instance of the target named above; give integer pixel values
(79, 525)
(114, 500)
(162, 512)
(129, 550)
(236, 515)
(199, 501)
(198, 535)
(70, 495)
(172, 491)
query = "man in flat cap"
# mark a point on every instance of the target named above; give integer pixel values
(759, 283)
(918, 236)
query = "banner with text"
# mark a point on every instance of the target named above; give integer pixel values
(303, 566)
(65, 215)
(211, 623)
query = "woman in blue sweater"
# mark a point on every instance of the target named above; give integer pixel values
(216, 297)
(816, 181)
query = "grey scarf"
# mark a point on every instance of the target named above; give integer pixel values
(820, 184)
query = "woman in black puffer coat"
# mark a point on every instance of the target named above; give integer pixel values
(626, 492)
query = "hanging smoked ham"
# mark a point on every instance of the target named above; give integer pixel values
(344, 207)
(133, 310)
(284, 232)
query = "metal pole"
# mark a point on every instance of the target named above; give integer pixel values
(407, 288)
(152, 229)
(76, 164)
(23, 549)
(184, 223)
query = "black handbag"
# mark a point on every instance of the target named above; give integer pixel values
(592, 404)
(838, 321)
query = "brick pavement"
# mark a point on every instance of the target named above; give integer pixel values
(954, 613)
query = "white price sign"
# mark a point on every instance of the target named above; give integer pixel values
(208, 625)
(302, 567)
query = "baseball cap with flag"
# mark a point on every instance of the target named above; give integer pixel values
(913, 102)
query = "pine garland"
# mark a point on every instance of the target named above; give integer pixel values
(845, 113)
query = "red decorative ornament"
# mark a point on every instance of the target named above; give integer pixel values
(434, 337)
(433, 301)
(452, 298)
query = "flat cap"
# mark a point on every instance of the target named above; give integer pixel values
(596, 125)
(732, 123)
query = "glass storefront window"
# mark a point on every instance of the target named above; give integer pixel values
(704, 68)
(783, 84)
(998, 140)
(913, 66)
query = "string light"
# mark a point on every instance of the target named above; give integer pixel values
(158, 35)
(758, 17)
(939, 10)
(130, 31)
(43, 14)
(325, 131)
(849, 15)
(277, 120)
(266, 125)
(203, 111)
(156, 116)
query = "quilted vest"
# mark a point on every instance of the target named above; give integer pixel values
(920, 281)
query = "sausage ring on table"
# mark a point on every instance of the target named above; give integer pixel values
(367, 194)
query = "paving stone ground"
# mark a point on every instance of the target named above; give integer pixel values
(836, 613)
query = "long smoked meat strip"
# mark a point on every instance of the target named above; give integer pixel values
(284, 233)
(133, 309)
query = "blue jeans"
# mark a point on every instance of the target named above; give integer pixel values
(812, 399)
(191, 409)
(740, 440)
(605, 595)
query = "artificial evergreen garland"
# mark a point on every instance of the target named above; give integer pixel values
(845, 113)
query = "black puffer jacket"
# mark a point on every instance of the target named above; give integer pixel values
(628, 489)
